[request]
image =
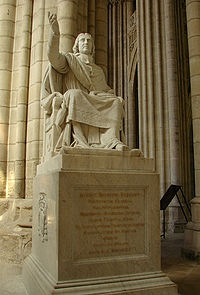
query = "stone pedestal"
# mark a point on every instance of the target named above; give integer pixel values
(96, 226)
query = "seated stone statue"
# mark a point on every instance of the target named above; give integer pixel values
(77, 101)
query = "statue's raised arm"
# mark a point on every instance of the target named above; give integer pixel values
(56, 59)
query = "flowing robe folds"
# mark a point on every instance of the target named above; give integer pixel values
(85, 102)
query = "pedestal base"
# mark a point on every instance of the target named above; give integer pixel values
(38, 282)
(96, 230)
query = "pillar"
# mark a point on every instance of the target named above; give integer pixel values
(101, 34)
(132, 74)
(7, 25)
(67, 18)
(173, 95)
(152, 86)
(91, 17)
(35, 124)
(22, 98)
(192, 232)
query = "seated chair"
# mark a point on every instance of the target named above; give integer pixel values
(51, 101)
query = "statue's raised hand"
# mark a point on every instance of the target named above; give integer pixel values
(53, 23)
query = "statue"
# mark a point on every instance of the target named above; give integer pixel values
(77, 101)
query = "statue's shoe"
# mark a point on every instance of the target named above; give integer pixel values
(122, 147)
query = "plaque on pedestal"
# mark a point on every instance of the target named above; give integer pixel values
(96, 227)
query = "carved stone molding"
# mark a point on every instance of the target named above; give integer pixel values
(132, 20)
(116, 2)
(132, 33)
(42, 217)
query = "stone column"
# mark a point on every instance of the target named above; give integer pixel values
(120, 71)
(34, 124)
(151, 86)
(132, 74)
(146, 78)
(7, 25)
(160, 97)
(192, 232)
(82, 16)
(91, 17)
(101, 34)
(22, 98)
(173, 95)
(67, 18)
(158, 89)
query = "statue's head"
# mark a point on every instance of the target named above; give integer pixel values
(84, 43)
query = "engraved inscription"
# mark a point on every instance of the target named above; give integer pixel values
(109, 223)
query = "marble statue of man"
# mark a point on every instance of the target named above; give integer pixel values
(89, 114)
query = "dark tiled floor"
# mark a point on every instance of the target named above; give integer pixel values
(183, 272)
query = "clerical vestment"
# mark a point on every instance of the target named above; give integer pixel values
(86, 100)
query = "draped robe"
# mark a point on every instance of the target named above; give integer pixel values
(87, 102)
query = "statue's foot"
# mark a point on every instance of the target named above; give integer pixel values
(122, 147)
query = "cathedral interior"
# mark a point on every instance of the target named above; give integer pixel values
(149, 51)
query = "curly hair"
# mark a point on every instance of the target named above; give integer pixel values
(76, 43)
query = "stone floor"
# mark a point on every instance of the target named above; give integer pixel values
(184, 273)
(11, 280)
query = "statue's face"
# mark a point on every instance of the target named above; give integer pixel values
(85, 44)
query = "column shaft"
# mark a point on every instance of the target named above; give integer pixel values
(22, 98)
(7, 25)
(35, 124)
(173, 95)
(91, 17)
(193, 21)
(192, 232)
(101, 34)
(142, 83)
(67, 18)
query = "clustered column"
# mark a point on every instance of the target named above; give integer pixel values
(152, 87)
(192, 233)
